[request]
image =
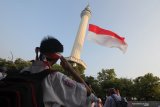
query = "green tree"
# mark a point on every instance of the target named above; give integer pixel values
(94, 85)
(106, 74)
(10, 65)
(125, 86)
(147, 87)
(2, 62)
(20, 63)
(106, 80)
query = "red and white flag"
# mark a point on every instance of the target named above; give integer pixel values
(106, 38)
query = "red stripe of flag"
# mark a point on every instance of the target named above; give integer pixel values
(106, 38)
(98, 30)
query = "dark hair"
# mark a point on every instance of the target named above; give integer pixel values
(50, 45)
(112, 91)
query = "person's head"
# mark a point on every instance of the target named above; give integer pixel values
(112, 91)
(107, 92)
(49, 49)
(117, 91)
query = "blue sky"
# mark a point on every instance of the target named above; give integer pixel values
(23, 24)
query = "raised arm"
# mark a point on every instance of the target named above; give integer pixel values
(67, 66)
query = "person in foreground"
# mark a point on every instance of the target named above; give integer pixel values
(58, 89)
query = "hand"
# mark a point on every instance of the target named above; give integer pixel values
(99, 100)
(65, 64)
(100, 103)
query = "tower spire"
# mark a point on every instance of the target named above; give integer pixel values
(88, 2)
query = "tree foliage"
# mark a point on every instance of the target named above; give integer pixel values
(16, 65)
(145, 87)
(106, 74)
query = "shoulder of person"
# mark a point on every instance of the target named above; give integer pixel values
(116, 97)
(93, 98)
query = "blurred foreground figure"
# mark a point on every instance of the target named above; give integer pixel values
(58, 89)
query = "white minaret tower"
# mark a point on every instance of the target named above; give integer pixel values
(79, 40)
